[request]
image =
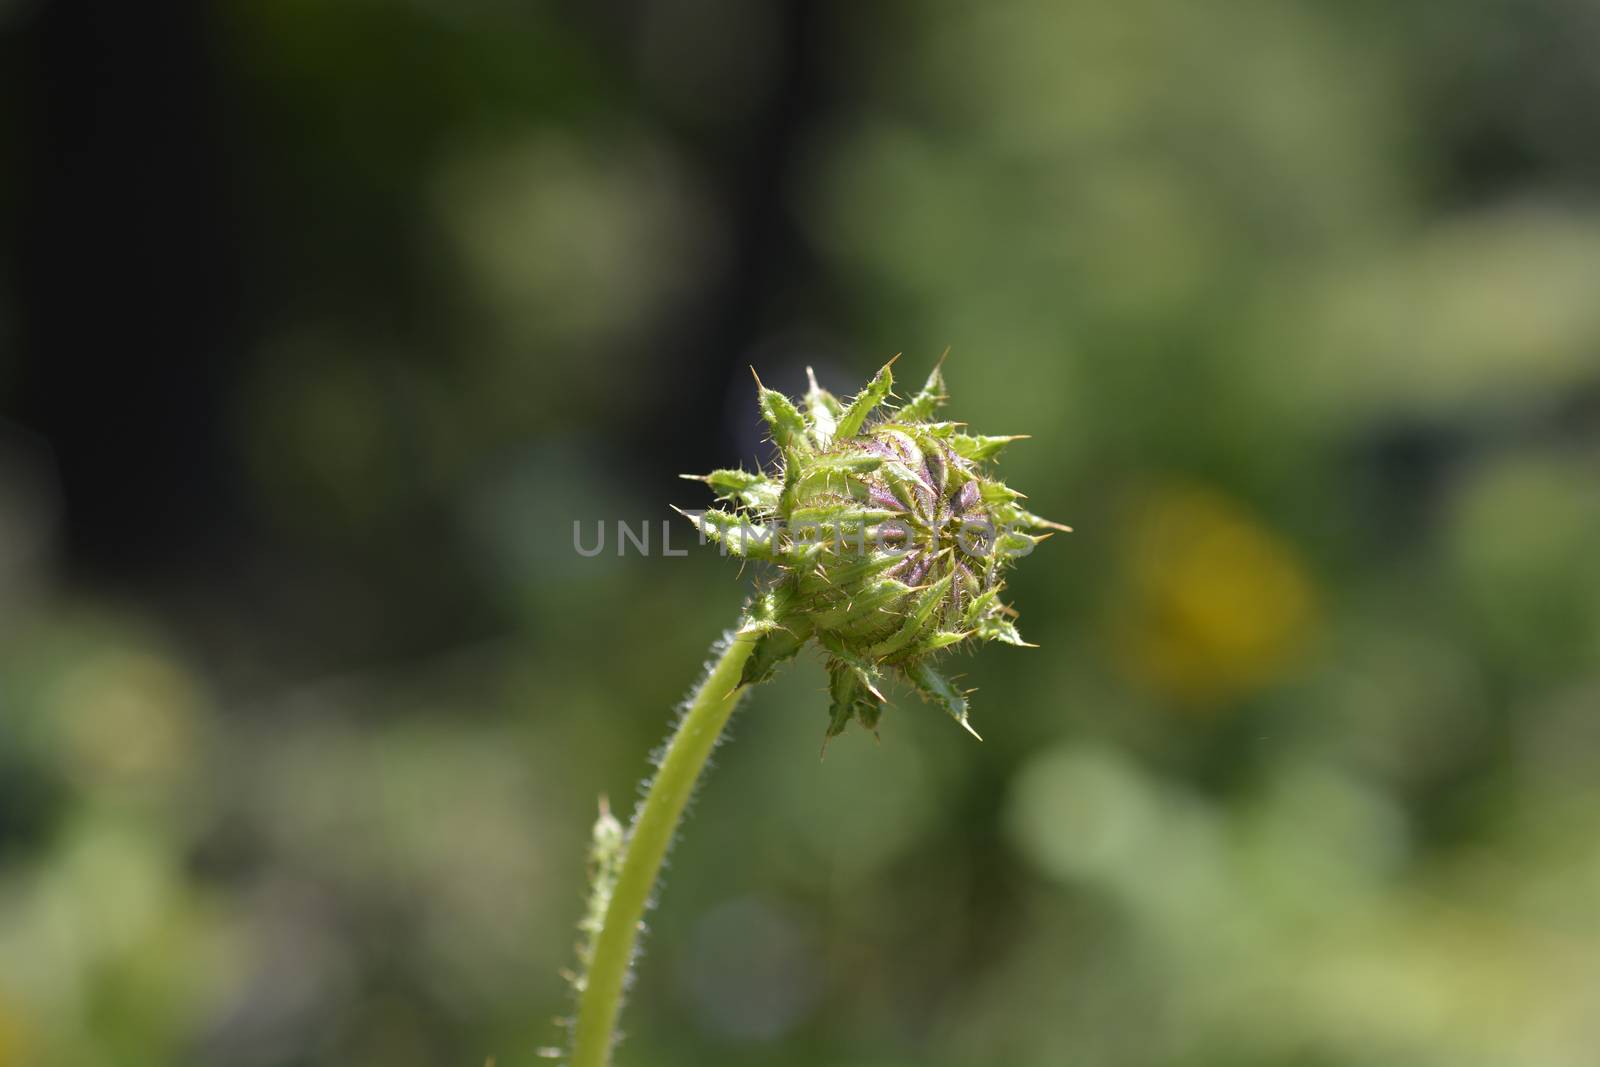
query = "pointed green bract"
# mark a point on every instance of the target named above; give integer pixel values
(998, 493)
(841, 701)
(927, 401)
(846, 573)
(741, 487)
(831, 473)
(982, 606)
(978, 448)
(865, 402)
(941, 691)
(851, 605)
(846, 463)
(823, 410)
(996, 628)
(834, 514)
(888, 537)
(870, 674)
(784, 421)
(773, 649)
(944, 639)
(738, 535)
(928, 601)
(850, 698)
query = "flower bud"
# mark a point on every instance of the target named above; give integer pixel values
(890, 538)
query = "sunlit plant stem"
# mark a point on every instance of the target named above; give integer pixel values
(614, 944)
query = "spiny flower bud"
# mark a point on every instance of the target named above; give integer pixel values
(889, 535)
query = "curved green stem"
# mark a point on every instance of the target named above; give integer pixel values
(648, 839)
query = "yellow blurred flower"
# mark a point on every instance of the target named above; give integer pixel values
(1218, 604)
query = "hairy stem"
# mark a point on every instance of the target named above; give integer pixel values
(648, 839)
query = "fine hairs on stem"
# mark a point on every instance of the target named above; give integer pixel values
(888, 539)
(610, 950)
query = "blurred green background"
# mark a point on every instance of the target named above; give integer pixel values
(322, 321)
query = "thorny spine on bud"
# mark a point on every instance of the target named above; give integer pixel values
(889, 539)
